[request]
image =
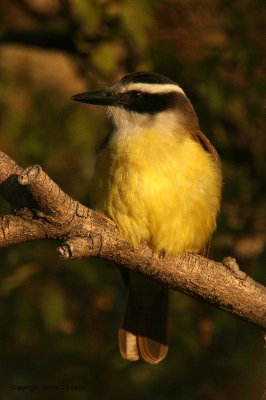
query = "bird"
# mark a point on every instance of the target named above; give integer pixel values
(159, 179)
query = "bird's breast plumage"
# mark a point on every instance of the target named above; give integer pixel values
(161, 188)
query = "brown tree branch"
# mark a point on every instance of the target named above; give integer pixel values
(42, 210)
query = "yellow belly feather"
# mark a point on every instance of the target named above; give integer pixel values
(164, 189)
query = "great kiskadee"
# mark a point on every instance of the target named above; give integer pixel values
(159, 179)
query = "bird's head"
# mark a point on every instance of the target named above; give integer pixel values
(143, 98)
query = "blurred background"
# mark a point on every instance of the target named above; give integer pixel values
(59, 320)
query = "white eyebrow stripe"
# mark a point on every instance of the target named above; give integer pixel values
(154, 88)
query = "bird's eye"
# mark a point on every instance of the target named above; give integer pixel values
(135, 95)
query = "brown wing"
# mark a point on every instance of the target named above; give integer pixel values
(206, 144)
(191, 123)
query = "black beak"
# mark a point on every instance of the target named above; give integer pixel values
(101, 98)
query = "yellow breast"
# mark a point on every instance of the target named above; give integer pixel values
(164, 189)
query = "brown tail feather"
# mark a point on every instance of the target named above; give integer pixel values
(143, 332)
(128, 345)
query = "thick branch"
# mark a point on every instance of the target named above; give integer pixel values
(47, 212)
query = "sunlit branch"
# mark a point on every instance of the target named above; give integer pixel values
(40, 209)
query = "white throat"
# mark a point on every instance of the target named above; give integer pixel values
(129, 122)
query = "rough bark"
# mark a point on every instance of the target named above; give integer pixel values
(40, 209)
